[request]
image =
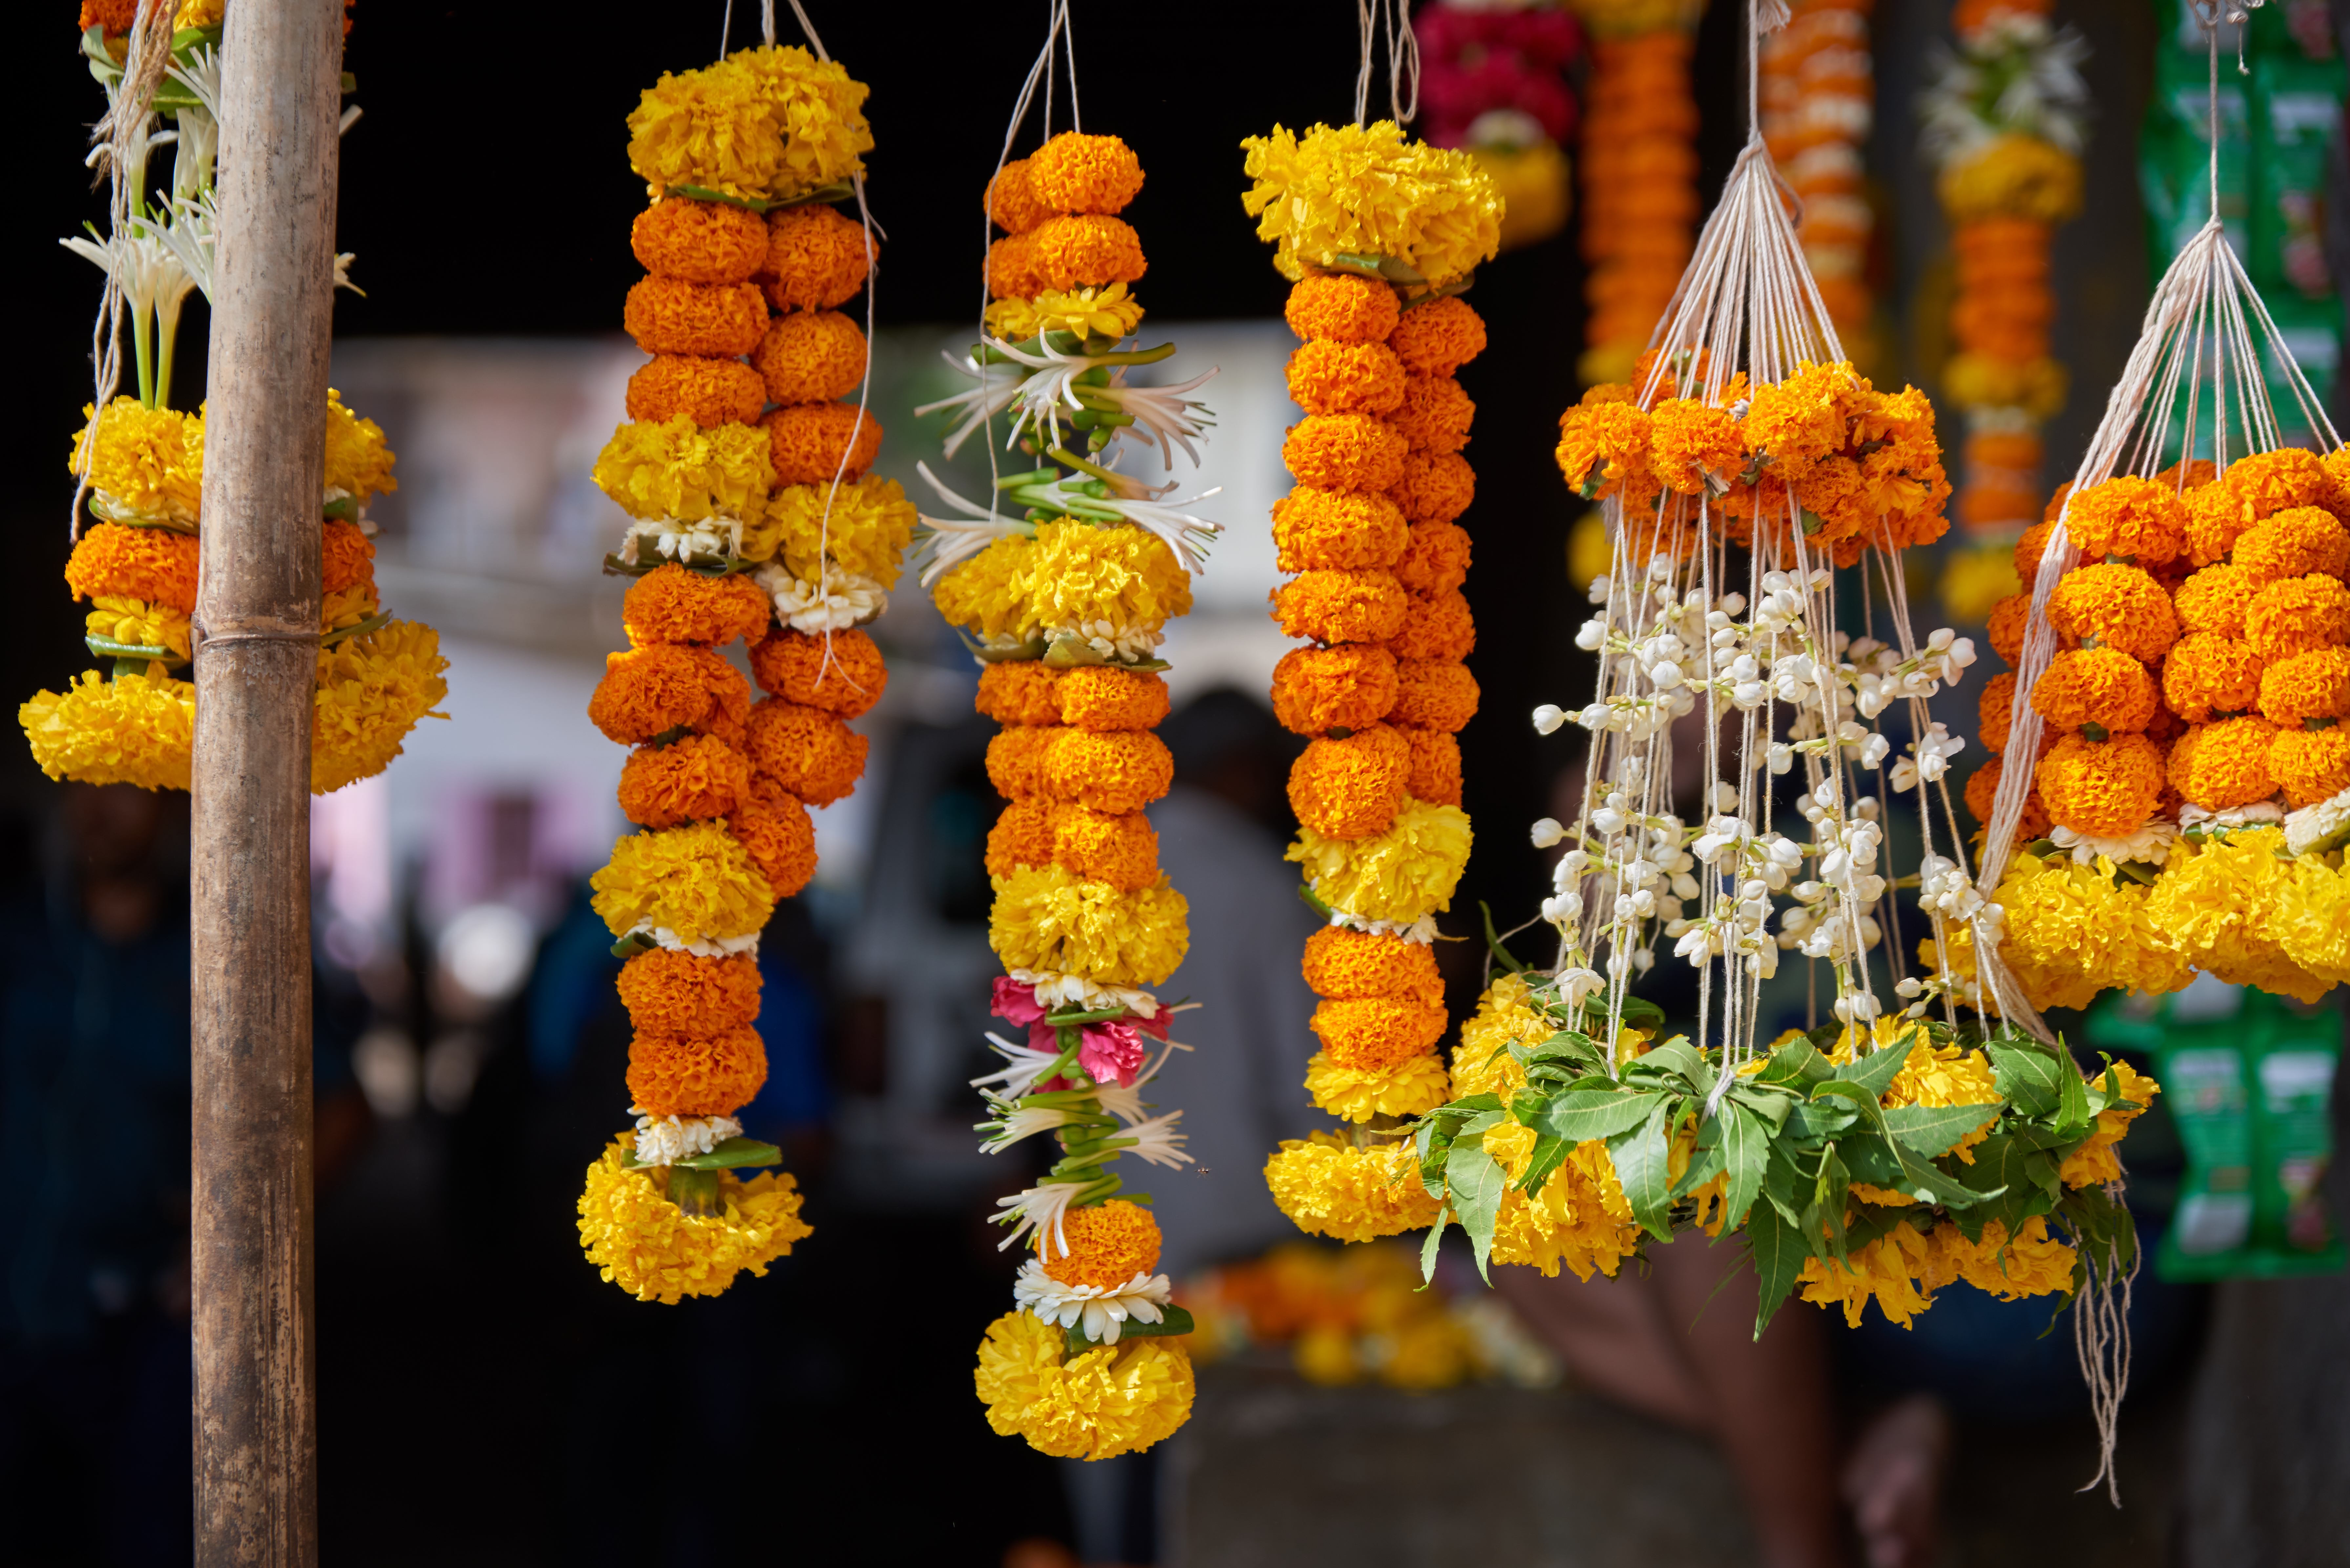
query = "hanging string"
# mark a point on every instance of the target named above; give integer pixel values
(726, 30)
(1392, 20)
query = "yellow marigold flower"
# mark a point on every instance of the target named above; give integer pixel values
(372, 689)
(1934, 1077)
(138, 730)
(340, 609)
(696, 881)
(2311, 918)
(2072, 932)
(764, 122)
(2013, 176)
(1329, 1188)
(1580, 1218)
(2032, 1264)
(150, 461)
(1114, 1399)
(819, 112)
(867, 534)
(2095, 1163)
(358, 464)
(2225, 765)
(1070, 574)
(651, 1249)
(204, 13)
(1105, 312)
(1357, 1094)
(135, 623)
(1046, 918)
(988, 594)
(2311, 765)
(2038, 387)
(1078, 174)
(1481, 1062)
(1365, 191)
(2211, 905)
(2103, 788)
(680, 470)
(1403, 874)
(1888, 1271)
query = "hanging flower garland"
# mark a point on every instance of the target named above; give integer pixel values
(1819, 101)
(758, 524)
(139, 462)
(1380, 236)
(1492, 81)
(1065, 598)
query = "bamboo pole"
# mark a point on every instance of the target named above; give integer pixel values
(256, 623)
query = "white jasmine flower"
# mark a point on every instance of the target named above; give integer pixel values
(665, 1140)
(701, 946)
(841, 600)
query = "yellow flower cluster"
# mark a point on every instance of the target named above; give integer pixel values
(867, 533)
(698, 881)
(1580, 1218)
(135, 623)
(1047, 918)
(2013, 176)
(644, 1243)
(1070, 574)
(1365, 191)
(146, 462)
(1105, 312)
(1357, 1094)
(1327, 1187)
(372, 689)
(1113, 1399)
(764, 124)
(1401, 874)
(138, 730)
(359, 462)
(1901, 1270)
(2095, 1163)
(676, 469)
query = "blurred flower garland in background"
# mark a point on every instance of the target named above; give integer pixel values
(1493, 81)
(1819, 99)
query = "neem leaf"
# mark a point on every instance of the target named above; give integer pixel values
(1817, 1120)
(1797, 1065)
(1475, 1183)
(1494, 941)
(1583, 1115)
(1934, 1130)
(1746, 1151)
(1876, 1071)
(2072, 1116)
(1676, 1061)
(1641, 1154)
(1174, 1320)
(1707, 1159)
(1778, 1253)
(2027, 1074)
(734, 1153)
(1550, 1153)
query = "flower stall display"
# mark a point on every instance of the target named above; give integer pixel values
(1494, 80)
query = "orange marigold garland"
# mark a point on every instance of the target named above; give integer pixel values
(1819, 99)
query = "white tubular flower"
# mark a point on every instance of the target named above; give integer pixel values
(665, 1140)
(1103, 1311)
(947, 542)
(1055, 991)
(1874, 752)
(1155, 1140)
(1012, 1122)
(1163, 413)
(1037, 1208)
(1591, 634)
(1019, 1078)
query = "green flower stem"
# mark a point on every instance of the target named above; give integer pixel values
(142, 346)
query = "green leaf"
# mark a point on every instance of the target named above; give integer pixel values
(1871, 1158)
(1550, 1153)
(1677, 1063)
(1746, 1151)
(733, 1154)
(2072, 1118)
(1797, 1065)
(1816, 1121)
(2027, 1074)
(1584, 1114)
(1636, 1012)
(1428, 1248)
(1640, 1154)
(2006, 1179)
(1875, 1071)
(1707, 1160)
(1475, 1183)
(1173, 1320)
(1772, 1103)
(1494, 941)
(1779, 1252)
(1934, 1130)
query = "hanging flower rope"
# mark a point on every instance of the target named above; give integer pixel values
(1064, 584)
(745, 472)
(138, 463)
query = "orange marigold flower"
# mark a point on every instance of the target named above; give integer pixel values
(1118, 848)
(777, 832)
(2225, 765)
(2311, 685)
(346, 557)
(2268, 483)
(2122, 607)
(1349, 686)
(1022, 692)
(691, 780)
(1439, 628)
(816, 259)
(1995, 711)
(1341, 606)
(2103, 788)
(1086, 250)
(2216, 517)
(1104, 1245)
(1115, 771)
(1805, 417)
(668, 316)
(1690, 440)
(2099, 685)
(1012, 199)
(1104, 699)
(1023, 836)
(711, 392)
(2296, 614)
(1435, 414)
(2215, 600)
(1015, 760)
(2129, 517)
(810, 357)
(1982, 784)
(115, 16)
(696, 1076)
(1434, 695)
(1351, 788)
(700, 241)
(1436, 562)
(113, 561)
(1337, 530)
(669, 604)
(649, 691)
(671, 992)
(2295, 543)
(2180, 476)
(2035, 544)
(1605, 449)
(1080, 173)
(845, 681)
(1341, 308)
(1436, 338)
(1327, 378)
(2311, 765)
(1435, 776)
(1352, 966)
(806, 441)
(1374, 1033)
(1345, 452)
(1012, 268)
(1436, 486)
(806, 749)
(2210, 675)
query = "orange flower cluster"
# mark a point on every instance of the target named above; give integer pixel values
(1380, 565)
(1819, 97)
(1639, 184)
(1078, 763)
(1058, 207)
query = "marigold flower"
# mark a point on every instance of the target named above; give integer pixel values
(647, 691)
(1413, 1085)
(1434, 695)
(1982, 784)
(773, 828)
(1329, 1188)
(1436, 560)
(1345, 452)
(2216, 517)
(2269, 483)
(151, 563)
(135, 623)
(1114, 1399)
(151, 461)
(371, 690)
(2311, 685)
(1692, 441)
(1112, 771)
(139, 730)
(1339, 307)
(1376, 1033)
(1087, 250)
(841, 673)
(2121, 606)
(1364, 189)
(1435, 414)
(696, 881)
(1890, 1270)
(1437, 337)
(1012, 199)
(1805, 417)
(680, 470)
(689, 780)
(1105, 698)
(861, 526)
(1015, 760)
(1327, 378)
(807, 750)
(810, 357)
(2310, 915)
(346, 557)
(1083, 574)
(1349, 686)
(358, 461)
(1435, 775)
(671, 604)
(1337, 530)
(2094, 1163)
(2125, 515)
(2209, 676)
(655, 1251)
(1439, 629)
(710, 393)
(690, 1075)
(2073, 930)
(1436, 487)
(1103, 1244)
(1351, 787)
(2201, 903)
(815, 443)
(2220, 765)
(2296, 614)
(1995, 711)
(1012, 269)
(1347, 965)
(1609, 443)
(1023, 836)
(2099, 685)
(1107, 311)
(669, 316)
(1121, 849)
(1078, 174)
(700, 241)
(2295, 543)
(1405, 873)
(816, 259)
(1047, 918)
(2035, 544)
(2107, 789)
(1341, 606)
(2215, 600)
(670, 992)
(2311, 765)
(2013, 175)
(1022, 691)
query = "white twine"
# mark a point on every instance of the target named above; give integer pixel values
(1391, 19)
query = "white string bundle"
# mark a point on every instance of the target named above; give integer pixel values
(1387, 20)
